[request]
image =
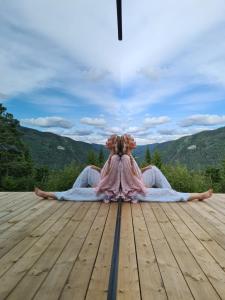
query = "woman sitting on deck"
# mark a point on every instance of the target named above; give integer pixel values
(93, 183)
(136, 183)
(121, 177)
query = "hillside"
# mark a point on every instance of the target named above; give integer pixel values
(53, 150)
(197, 151)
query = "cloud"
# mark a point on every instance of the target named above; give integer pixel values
(203, 120)
(3, 96)
(154, 121)
(168, 55)
(77, 132)
(97, 122)
(47, 122)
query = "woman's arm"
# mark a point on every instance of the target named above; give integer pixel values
(146, 168)
(95, 168)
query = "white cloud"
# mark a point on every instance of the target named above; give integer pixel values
(153, 121)
(169, 52)
(203, 120)
(77, 132)
(47, 122)
(97, 122)
(3, 96)
(83, 49)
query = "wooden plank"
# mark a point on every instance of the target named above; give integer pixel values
(21, 248)
(128, 279)
(58, 276)
(7, 220)
(217, 205)
(11, 278)
(193, 274)
(30, 283)
(3, 195)
(8, 195)
(16, 216)
(19, 222)
(27, 227)
(78, 280)
(211, 214)
(215, 234)
(15, 199)
(7, 213)
(98, 286)
(151, 282)
(174, 282)
(202, 235)
(208, 264)
(218, 199)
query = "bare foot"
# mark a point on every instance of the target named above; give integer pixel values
(206, 195)
(40, 193)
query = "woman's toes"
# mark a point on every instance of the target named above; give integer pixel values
(205, 195)
(134, 201)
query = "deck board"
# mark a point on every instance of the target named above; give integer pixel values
(62, 249)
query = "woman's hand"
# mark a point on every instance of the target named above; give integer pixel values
(95, 168)
(146, 168)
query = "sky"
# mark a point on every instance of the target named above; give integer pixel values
(63, 70)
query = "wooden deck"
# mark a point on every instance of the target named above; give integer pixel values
(62, 249)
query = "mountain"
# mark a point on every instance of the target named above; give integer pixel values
(197, 151)
(55, 151)
(206, 148)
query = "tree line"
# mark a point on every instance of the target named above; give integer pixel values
(19, 173)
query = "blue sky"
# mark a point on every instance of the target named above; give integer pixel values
(63, 69)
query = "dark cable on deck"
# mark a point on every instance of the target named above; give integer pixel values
(112, 286)
(119, 18)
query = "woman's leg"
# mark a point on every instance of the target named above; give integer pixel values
(80, 194)
(154, 177)
(88, 177)
(44, 194)
(170, 195)
(201, 196)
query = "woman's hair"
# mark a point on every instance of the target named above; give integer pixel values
(116, 140)
(125, 145)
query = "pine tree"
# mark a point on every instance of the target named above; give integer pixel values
(156, 159)
(92, 158)
(101, 157)
(148, 158)
(16, 166)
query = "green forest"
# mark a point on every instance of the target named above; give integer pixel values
(18, 171)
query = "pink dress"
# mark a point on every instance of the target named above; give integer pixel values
(110, 177)
(131, 183)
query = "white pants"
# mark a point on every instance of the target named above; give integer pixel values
(83, 187)
(154, 177)
(162, 195)
(91, 177)
(88, 177)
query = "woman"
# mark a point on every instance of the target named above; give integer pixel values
(133, 185)
(104, 183)
(151, 175)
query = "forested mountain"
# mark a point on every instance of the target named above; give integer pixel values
(15, 162)
(197, 151)
(30, 158)
(56, 151)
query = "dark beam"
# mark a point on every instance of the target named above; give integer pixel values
(119, 19)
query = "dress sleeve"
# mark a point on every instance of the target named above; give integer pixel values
(110, 177)
(131, 177)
